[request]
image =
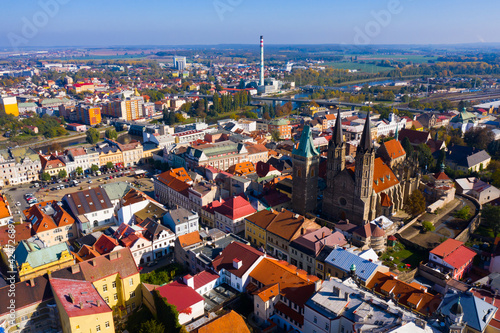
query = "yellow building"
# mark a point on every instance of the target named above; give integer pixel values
(32, 260)
(255, 227)
(9, 105)
(110, 154)
(52, 165)
(81, 308)
(116, 278)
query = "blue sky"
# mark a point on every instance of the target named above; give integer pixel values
(166, 22)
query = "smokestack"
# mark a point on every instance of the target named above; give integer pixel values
(261, 60)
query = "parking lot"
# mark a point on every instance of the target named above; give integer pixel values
(16, 194)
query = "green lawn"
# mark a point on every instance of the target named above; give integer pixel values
(402, 256)
(484, 231)
(163, 275)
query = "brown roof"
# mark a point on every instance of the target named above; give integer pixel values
(88, 201)
(394, 149)
(415, 137)
(40, 218)
(294, 284)
(228, 323)
(263, 218)
(369, 230)
(22, 232)
(120, 261)
(289, 226)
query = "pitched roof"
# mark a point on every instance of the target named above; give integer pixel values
(369, 230)
(383, 177)
(180, 295)
(27, 252)
(189, 239)
(415, 137)
(394, 149)
(337, 136)
(235, 208)
(203, 278)
(245, 253)
(294, 284)
(47, 215)
(365, 143)
(460, 257)
(287, 225)
(79, 298)
(411, 295)
(312, 242)
(343, 259)
(88, 201)
(105, 244)
(22, 232)
(446, 248)
(228, 323)
(120, 261)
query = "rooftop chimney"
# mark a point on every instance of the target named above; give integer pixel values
(81, 305)
(71, 298)
(188, 280)
(32, 282)
(75, 269)
(237, 263)
(98, 302)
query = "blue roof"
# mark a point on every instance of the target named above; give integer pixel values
(343, 260)
(477, 313)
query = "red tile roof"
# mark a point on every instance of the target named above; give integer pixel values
(189, 239)
(235, 208)
(394, 148)
(446, 248)
(460, 257)
(180, 295)
(79, 298)
(247, 254)
(203, 278)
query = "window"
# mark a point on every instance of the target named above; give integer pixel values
(133, 306)
(132, 294)
(131, 282)
(105, 287)
(106, 299)
(115, 297)
(315, 319)
(106, 324)
(98, 328)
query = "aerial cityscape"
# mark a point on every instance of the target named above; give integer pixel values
(257, 167)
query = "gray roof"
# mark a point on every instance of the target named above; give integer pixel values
(116, 190)
(180, 215)
(343, 259)
(477, 158)
(477, 313)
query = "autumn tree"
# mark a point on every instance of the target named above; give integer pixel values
(415, 204)
(478, 137)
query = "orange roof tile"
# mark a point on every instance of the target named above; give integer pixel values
(189, 239)
(394, 148)
(4, 207)
(228, 323)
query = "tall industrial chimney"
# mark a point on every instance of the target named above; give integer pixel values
(261, 60)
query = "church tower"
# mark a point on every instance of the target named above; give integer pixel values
(305, 174)
(336, 152)
(364, 165)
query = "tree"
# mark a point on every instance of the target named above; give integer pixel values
(92, 136)
(425, 158)
(463, 213)
(167, 314)
(275, 135)
(111, 134)
(62, 174)
(152, 326)
(46, 176)
(110, 165)
(79, 171)
(407, 146)
(415, 204)
(428, 226)
(94, 168)
(491, 215)
(478, 137)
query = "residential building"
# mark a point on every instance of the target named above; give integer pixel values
(116, 277)
(257, 153)
(476, 188)
(186, 300)
(82, 87)
(171, 187)
(280, 291)
(8, 104)
(230, 216)
(52, 165)
(18, 166)
(342, 263)
(185, 242)
(370, 236)
(162, 239)
(282, 126)
(5, 212)
(91, 208)
(31, 260)
(220, 155)
(109, 153)
(305, 249)
(132, 152)
(128, 109)
(89, 115)
(235, 263)
(464, 158)
(452, 258)
(181, 221)
(51, 223)
(83, 158)
(102, 246)
(133, 238)
(76, 127)
(132, 202)
(227, 323)
(81, 308)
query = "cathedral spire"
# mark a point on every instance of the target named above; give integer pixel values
(337, 137)
(365, 144)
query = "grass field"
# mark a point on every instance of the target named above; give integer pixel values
(402, 256)
(416, 58)
(367, 68)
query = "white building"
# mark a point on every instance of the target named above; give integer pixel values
(389, 127)
(181, 221)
